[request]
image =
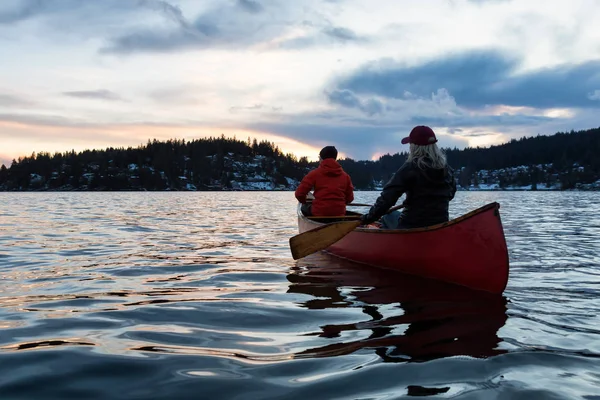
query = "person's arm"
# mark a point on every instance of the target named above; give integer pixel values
(307, 183)
(392, 191)
(349, 190)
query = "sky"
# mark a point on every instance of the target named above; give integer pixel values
(83, 74)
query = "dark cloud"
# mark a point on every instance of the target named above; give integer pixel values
(168, 10)
(9, 100)
(469, 121)
(253, 107)
(477, 134)
(348, 99)
(360, 142)
(94, 94)
(28, 8)
(234, 25)
(42, 120)
(225, 25)
(480, 78)
(21, 10)
(153, 41)
(330, 35)
(250, 6)
(342, 34)
(360, 138)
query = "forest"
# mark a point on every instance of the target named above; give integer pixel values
(565, 160)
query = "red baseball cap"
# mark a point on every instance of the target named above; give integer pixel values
(420, 135)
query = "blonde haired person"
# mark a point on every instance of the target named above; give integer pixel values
(427, 181)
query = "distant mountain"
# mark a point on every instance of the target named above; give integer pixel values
(558, 162)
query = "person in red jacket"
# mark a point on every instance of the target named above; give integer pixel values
(332, 187)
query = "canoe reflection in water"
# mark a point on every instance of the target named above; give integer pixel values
(433, 319)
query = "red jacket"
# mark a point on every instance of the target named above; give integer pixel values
(332, 189)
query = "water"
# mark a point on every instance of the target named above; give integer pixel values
(195, 295)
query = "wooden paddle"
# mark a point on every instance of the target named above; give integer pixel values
(324, 236)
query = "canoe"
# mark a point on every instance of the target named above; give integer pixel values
(469, 251)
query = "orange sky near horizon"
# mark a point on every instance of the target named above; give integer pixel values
(95, 138)
(80, 75)
(86, 138)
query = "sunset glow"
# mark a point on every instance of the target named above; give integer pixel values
(79, 75)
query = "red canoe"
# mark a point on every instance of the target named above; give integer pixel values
(469, 250)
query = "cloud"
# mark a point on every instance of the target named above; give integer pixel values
(65, 21)
(21, 10)
(39, 119)
(95, 95)
(245, 79)
(325, 36)
(358, 141)
(595, 95)
(237, 24)
(9, 100)
(479, 78)
(265, 109)
(247, 108)
(348, 99)
(224, 25)
(437, 105)
(342, 34)
(30, 8)
(502, 121)
(250, 6)
(351, 124)
(180, 95)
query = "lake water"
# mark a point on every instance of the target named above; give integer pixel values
(195, 295)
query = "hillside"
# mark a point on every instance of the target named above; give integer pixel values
(558, 162)
(204, 164)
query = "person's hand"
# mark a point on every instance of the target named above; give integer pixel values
(366, 220)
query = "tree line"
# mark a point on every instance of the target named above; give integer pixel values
(563, 160)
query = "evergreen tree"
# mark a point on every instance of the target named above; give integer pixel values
(565, 160)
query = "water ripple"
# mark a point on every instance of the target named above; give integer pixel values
(195, 295)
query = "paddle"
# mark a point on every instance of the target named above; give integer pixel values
(324, 236)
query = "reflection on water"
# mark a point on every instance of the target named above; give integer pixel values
(195, 295)
(411, 319)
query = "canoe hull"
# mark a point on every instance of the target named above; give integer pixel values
(470, 251)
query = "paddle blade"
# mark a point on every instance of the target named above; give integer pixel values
(320, 238)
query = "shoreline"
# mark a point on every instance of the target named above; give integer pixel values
(281, 190)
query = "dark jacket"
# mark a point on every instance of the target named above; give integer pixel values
(332, 189)
(428, 192)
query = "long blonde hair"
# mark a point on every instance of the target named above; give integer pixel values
(430, 156)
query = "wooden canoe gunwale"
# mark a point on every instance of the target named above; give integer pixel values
(454, 221)
(481, 265)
